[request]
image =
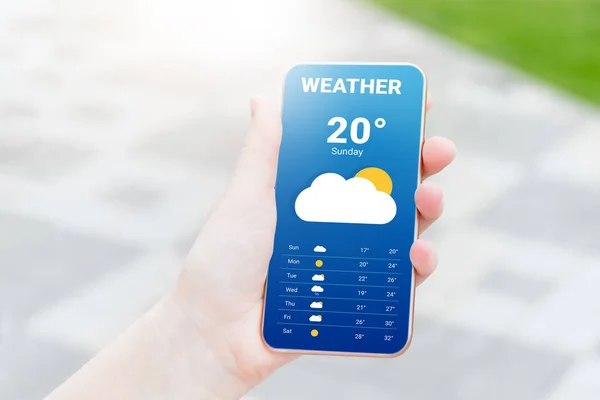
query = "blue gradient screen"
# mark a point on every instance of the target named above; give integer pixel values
(340, 278)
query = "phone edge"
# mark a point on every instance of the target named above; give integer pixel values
(416, 235)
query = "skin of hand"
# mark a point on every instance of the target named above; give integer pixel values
(202, 340)
(221, 287)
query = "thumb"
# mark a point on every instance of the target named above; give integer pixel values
(257, 164)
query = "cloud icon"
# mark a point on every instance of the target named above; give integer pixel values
(318, 277)
(317, 289)
(316, 304)
(320, 249)
(331, 198)
(315, 318)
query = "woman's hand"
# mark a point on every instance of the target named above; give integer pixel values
(220, 290)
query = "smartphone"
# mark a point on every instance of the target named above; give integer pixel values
(340, 280)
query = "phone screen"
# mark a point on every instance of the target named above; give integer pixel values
(340, 279)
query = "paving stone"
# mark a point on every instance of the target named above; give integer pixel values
(10, 110)
(34, 25)
(490, 313)
(63, 52)
(135, 197)
(581, 382)
(508, 283)
(94, 315)
(46, 79)
(559, 212)
(565, 320)
(189, 143)
(317, 377)
(50, 262)
(575, 159)
(9, 53)
(41, 159)
(483, 366)
(94, 112)
(30, 369)
(537, 259)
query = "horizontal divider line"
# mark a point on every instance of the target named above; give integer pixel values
(336, 284)
(364, 271)
(342, 257)
(337, 298)
(320, 310)
(316, 324)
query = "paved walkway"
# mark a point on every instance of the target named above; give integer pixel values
(119, 125)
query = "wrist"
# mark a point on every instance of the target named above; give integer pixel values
(199, 352)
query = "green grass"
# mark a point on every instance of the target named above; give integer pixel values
(556, 40)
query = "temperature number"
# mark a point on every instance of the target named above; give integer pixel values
(360, 322)
(360, 307)
(359, 336)
(358, 136)
(362, 278)
(388, 338)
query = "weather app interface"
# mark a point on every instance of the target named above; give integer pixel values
(340, 278)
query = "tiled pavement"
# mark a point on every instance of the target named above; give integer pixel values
(119, 126)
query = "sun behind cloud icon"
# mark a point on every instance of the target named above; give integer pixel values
(316, 304)
(317, 289)
(315, 318)
(362, 199)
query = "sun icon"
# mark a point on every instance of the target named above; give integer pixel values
(379, 178)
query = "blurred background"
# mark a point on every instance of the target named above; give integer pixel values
(120, 122)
